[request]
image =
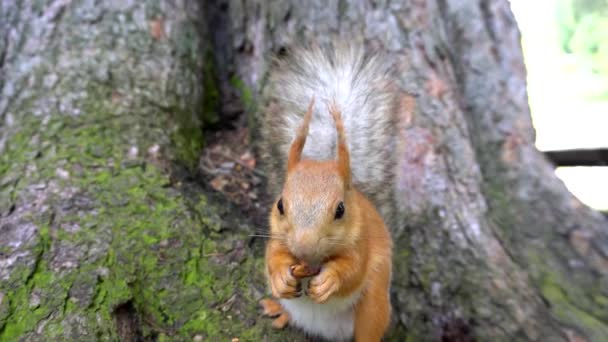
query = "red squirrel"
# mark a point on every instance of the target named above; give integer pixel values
(328, 260)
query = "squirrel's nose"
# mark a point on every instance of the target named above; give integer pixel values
(306, 246)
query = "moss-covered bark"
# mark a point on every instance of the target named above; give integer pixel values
(100, 103)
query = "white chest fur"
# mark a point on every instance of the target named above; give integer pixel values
(333, 320)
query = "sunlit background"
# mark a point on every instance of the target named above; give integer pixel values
(565, 44)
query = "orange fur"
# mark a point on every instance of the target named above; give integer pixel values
(354, 251)
(295, 151)
(343, 159)
(282, 283)
(272, 308)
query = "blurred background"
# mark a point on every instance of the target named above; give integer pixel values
(565, 45)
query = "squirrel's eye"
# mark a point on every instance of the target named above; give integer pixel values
(339, 211)
(280, 207)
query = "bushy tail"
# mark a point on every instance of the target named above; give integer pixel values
(360, 85)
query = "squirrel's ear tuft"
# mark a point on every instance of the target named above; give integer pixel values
(343, 158)
(295, 151)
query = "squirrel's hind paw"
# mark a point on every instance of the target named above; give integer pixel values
(271, 307)
(281, 321)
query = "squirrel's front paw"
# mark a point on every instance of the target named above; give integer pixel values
(323, 286)
(284, 285)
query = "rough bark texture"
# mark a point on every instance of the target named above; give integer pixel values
(101, 105)
(101, 238)
(489, 243)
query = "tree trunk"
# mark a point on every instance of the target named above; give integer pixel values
(489, 243)
(101, 238)
(104, 234)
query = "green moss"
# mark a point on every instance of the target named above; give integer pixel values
(565, 308)
(188, 139)
(247, 98)
(245, 93)
(160, 241)
(569, 304)
(24, 314)
(601, 300)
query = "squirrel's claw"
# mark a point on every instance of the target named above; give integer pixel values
(303, 270)
(323, 286)
(281, 321)
(271, 307)
(284, 285)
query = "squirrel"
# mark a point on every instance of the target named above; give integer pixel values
(328, 258)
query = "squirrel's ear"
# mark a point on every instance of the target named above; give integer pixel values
(343, 158)
(295, 151)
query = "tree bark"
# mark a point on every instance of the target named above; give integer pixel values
(489, 243)
(101, 237)
(104, 234)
